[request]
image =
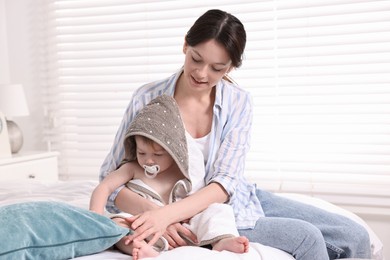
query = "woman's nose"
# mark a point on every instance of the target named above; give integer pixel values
(202, 71)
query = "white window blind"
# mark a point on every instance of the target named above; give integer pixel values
(319, 73)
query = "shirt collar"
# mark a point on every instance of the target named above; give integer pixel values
(171, 84)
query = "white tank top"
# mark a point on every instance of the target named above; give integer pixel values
(203, 144)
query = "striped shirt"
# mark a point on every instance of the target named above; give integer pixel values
(229, 144)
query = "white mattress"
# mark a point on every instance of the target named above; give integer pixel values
(77, 193)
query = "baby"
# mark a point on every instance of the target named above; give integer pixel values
(157, 167)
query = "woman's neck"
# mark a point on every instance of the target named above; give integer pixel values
(196, 109)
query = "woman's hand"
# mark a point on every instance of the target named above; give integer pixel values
(173, 233)
(154, 224)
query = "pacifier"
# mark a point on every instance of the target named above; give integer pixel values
(151, 171)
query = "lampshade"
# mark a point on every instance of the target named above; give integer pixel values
(13, 100)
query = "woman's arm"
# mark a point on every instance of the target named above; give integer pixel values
(231, 141)
(129, 201)
(195, 203)
(155, 222)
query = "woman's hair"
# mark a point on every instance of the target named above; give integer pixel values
(224, 28)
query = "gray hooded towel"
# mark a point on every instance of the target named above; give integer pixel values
(161, 122)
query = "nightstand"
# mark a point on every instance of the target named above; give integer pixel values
(30, 165)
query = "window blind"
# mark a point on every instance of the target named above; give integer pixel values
(318, 71)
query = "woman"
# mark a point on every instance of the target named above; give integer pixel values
(218, 114)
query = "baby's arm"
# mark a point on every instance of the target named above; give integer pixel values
(114, 180)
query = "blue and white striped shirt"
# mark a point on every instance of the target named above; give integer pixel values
(229, 144)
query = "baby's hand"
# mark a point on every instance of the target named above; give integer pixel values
(174, 235)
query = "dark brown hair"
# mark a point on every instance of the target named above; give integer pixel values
(224, 28)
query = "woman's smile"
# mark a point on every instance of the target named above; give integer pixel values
(196, 82)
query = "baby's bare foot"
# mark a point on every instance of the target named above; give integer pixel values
(233, 244)
(142, 250)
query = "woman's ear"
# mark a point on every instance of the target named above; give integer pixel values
(185, 46)
(229, 69)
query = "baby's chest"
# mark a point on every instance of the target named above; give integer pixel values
(162, 188)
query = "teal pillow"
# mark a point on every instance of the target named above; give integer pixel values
(54, 230)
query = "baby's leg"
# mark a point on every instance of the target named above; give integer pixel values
(233, 244)
(138, 249)
(142, 250)
(121, 245)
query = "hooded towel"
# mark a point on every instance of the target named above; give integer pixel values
(161, 122)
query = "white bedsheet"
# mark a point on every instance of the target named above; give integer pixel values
(77, 193)
(256, 251)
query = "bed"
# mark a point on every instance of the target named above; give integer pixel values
(77, 193)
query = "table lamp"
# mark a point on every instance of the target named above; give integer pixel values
(13, 103)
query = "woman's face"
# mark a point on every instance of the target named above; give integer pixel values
(205, 64)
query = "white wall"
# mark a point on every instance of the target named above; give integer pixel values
(22, 46)
(4, 71)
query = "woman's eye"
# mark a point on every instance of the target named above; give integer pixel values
(217, 70)
(195, 60)
(139, 153)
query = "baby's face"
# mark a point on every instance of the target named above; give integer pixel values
(150, 153)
